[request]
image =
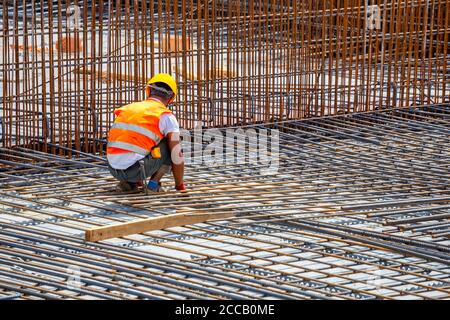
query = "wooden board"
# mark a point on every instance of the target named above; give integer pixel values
(169, 43)
(156, 223)
(216, 73)
(110, 76)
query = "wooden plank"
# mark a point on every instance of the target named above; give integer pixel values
(169, 43)
(216, 73)
(156, 223)
(110, 76)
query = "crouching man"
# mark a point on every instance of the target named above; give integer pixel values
(144, 141)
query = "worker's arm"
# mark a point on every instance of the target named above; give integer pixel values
(173, 139)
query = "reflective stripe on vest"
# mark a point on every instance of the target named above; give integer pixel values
(128, 146)
(138, 129)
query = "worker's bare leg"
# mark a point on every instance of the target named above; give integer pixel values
(165, 168)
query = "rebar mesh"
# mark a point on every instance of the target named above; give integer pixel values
(65, 65)
(330, 225)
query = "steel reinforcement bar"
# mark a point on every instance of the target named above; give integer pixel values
(358, 208)
(66, 65)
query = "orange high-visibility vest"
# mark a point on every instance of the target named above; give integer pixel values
(136, 128)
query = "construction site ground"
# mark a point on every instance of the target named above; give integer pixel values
(358, 209)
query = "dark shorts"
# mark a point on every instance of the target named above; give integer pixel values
(151, 165)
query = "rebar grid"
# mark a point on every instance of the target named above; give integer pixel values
(359, 209)
(66, 64)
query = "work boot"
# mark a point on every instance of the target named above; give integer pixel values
(154, 186)
(125, 186)
(158, 189)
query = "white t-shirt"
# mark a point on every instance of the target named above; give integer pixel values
(167, 124)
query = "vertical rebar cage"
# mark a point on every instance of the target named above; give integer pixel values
(65, 65)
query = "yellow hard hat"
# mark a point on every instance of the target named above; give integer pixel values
(164, 78)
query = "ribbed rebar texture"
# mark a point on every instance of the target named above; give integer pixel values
(65, 65)
(359, 209)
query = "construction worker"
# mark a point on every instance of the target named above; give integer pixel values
(144, 141)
